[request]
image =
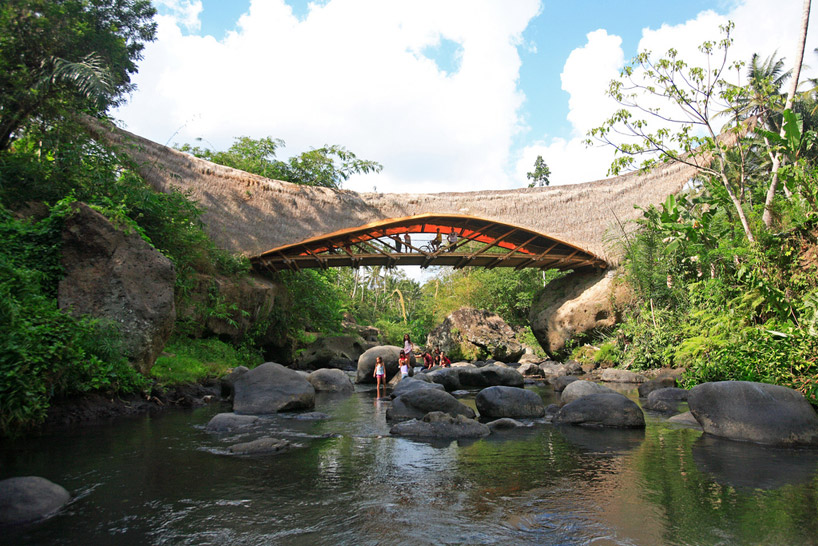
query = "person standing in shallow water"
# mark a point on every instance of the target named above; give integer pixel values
(380, 376)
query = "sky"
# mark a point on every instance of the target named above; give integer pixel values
(448, 95)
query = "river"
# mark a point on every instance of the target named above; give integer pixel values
(165, 480)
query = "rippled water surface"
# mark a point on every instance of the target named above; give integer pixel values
(164, 480)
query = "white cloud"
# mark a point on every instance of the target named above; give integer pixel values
(762, 26)
(351, 72)
(185, 12)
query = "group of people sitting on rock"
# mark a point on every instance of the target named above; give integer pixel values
(436, 358)
(430, 360)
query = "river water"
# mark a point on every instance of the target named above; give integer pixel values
(164, 480)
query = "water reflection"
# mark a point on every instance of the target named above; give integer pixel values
(753, 466)
(610, 441)
(165, 481)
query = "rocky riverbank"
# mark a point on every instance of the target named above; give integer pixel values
(95, 408)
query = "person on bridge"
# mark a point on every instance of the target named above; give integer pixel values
(407, 242)
(396, 238)
(452, 239)
(437, 241)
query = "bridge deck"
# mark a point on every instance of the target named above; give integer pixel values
(480, 243)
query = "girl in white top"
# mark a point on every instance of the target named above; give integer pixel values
(408, 348)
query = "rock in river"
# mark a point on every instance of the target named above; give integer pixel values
(496, 402)
(490, 376)
(29, 498)
(602, 410)
(754, 412)
(261, 446)
(225, 422)
(389, 353)
(330, 380)
(577, 389)
(407, 384)
(270, 388)
(661, 382)
(438, 424)
(416, 404)
(665, 400)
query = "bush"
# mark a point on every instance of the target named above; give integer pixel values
(189, 360)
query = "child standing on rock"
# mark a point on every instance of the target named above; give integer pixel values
(380, 376)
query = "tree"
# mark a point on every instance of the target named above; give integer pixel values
(768, 203)
(539, 176)
(328, 166)
(696, 96)
(59, 56)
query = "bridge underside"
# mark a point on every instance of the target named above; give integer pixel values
(480, 243)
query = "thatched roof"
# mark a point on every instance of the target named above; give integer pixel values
(249, 214)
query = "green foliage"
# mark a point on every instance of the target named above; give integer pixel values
(64, 56)
(504, 291)
(189, 360)
(315, 300)
(44, 352)
(329, 166)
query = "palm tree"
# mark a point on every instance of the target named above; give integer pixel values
(767, 217)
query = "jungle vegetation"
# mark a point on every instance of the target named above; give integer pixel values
(719, 288)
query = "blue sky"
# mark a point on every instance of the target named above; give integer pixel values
(448, 94)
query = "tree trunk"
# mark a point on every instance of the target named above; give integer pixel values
(767, 217)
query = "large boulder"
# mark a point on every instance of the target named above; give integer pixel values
(574, 305)
(408, 384)
(29, 498)
(247, 302)
(577, 389)
(563, 381)
(448, 377)
(415, 404)
(666, 400)
(601, 410)
(754, 412)
(366, 362)
(270, 388)
(331, 352)
(490, 376)
(530, 369)
(330, 380)
(116, 276)
(475, 333)
(229, 380)
(437, 424)
(615, 375)
(496, 402)
(662, 382)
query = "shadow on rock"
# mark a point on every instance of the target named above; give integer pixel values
(753, 466)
